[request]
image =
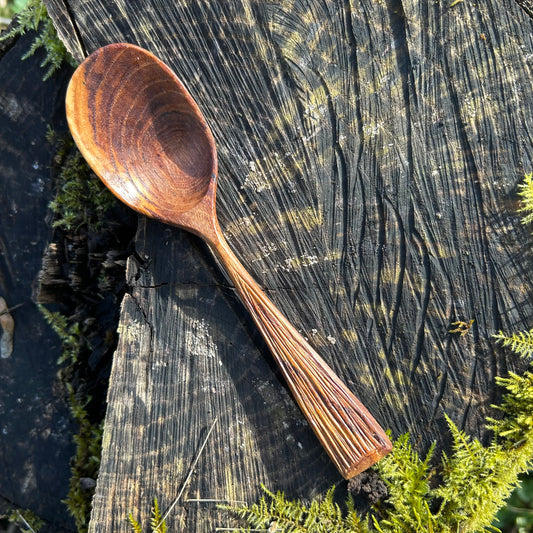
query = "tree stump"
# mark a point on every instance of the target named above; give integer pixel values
(369, 155)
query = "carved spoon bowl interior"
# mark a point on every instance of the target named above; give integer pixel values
(145, 137)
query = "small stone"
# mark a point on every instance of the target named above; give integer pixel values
(87, 483)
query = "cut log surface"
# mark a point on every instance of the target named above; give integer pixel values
(369, 158)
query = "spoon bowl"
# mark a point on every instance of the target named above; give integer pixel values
(138, 125)
(143, 134)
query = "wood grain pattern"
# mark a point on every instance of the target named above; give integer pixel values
(143, 134)
(393, 133)
(139, 128)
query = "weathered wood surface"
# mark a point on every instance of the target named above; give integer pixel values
(369, 155)
(35, 424)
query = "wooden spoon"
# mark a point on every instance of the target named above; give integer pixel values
(143, 134)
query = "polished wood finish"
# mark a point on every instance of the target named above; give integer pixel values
(143, 134)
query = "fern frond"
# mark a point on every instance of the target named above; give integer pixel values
(476, 481)
(135, 526)
(520, 343)
(157, 523)
(526, 192)
(407, 477)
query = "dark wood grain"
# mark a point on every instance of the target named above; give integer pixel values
(369, 154)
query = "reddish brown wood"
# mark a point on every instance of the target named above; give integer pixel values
(143, 134)
(348, 432)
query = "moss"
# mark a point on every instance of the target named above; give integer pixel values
(520, 342)
(35, 17)
(477, 480)
(157, 524)
(514, 428)
(85, 463)
(88, 440)
(70, 334)
(81, 200)
(275, 512)
(526, 192)
(25, 520)
(408, 481)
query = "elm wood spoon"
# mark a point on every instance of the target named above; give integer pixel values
(143, 134)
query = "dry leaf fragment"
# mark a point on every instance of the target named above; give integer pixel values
(7, 325)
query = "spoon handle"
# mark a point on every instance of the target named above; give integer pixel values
(347, 431)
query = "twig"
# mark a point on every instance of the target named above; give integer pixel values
(173, 504)
(9, 309)
(214, 500)
(25, 522)
(240, 529)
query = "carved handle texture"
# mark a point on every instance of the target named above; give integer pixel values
(347, 431)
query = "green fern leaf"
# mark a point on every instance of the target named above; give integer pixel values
(407, 477)
(135, 526)
(157, 523)
(521, 343)
(526, 192)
